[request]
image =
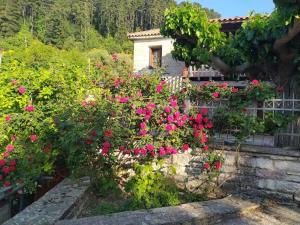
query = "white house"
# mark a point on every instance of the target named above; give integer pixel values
(152, 50)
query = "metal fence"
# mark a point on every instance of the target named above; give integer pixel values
(287, 105)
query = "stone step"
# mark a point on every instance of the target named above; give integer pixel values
(200, 213)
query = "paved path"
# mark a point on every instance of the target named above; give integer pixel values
(270, 215)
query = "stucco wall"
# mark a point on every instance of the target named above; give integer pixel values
(142, 54)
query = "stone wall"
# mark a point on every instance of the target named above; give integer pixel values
(272, 171)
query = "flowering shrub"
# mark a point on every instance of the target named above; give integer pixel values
(141, 121)
(233, 114)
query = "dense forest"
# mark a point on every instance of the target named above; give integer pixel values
(83, 24)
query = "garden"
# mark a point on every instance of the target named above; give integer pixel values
(75, 114)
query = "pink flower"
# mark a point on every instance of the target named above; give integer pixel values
(209, 125)
(8, 118)
(139, 111)
(104, 151)
(255, 82)
(173, 103)
(22, 90)
(169, 127)
(180, 123)
(14, 82)
(5, 155)
(136, 151)
(216, 94)
(143, 126)
(204, 111)
(234, 90)
(151, 106)
(143, 132)
(184, 118)
(177, 115)
(162, 151)
(203, 139)
(218, 165)
(170, 118)
(143, 151)
(206, 166)
(150, 147)
(124, 100)
(168, 109)
(117, 83)
(147, 117)
(185, 147)
(198, 118)
(10, 148)
(30, 108)
(33, 137)
(159, 88)
(115, 57)
(13, 138)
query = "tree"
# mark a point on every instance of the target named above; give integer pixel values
(266, 46)
(10, 15)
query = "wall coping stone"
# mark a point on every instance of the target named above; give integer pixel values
(292, 152)
(199, 213)
(56, 204)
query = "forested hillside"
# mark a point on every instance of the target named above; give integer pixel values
(82, 23)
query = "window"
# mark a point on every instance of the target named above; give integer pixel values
(155, 56)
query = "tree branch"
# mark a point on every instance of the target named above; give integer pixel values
(221, 65)
(293, 31)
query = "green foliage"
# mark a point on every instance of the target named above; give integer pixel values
(196, 37)
(150, 187)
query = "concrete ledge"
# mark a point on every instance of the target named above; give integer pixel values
(64, 201)
(201, 213)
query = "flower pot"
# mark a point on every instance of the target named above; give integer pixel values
(185, 72)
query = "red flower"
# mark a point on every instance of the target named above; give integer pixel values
(7, 118)
(117, 83)
(204, 111)
(218, 165)
(206, 166)
(7, 184)
(5, 155)
(5, 170)
(13, 138)
(185, 147)
(30, 108)
(1, 177)
(93, 133)
(10, 148)
(280, 89)
(12, 163)
(33, 138)
(108, 133)
(22, 90)
(255, 82)
(106, 144)
(122, 148)
(2, 162)
(205, 148)
(88, 142)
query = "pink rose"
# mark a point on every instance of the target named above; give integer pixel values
(206, 166)
(10, 148)
(124, 100)
(162, 151)
(30, 108)
(22, 90)
(139, 111)
(216, 94)
(33, 138)
(255, 82)
(185, 147)
(168, 109)
(204, 111)
(8, 118)
(159, 88)
(170, 118)
(143, 126)
(143, 132)
(150, 147)
(218, 165)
